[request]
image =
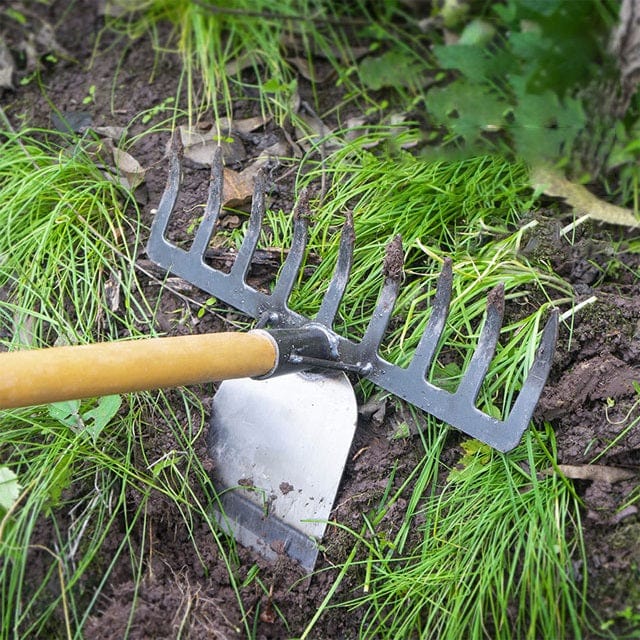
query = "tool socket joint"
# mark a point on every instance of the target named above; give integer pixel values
(311, 346)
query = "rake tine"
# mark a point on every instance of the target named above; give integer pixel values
(532, 388)
(243, 259)
(170, 193)
(470, 384)
(386, 300)
(311, 344)
(332, 298)
(214, 204)
(291, 267)
(426, 349)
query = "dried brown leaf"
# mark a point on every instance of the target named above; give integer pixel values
(130, 171)
(579, 198)
(199, 146)
(238, 187)
(594, 472)
(312, 73)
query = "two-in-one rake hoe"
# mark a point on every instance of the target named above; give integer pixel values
(283, 421)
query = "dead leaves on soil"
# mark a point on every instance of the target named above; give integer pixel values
(582, 201)
(200, 143)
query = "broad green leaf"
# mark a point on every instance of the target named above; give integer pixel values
(66, 412)
(545, 128)
(477, 33)
(391, 69)
(60, 477)
(9, 488)
(476, 454)
(97, 419)
(467, 109)
(473, 62)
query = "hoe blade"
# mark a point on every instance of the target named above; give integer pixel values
(280, 446)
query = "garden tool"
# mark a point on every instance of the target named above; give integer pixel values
(283, 419)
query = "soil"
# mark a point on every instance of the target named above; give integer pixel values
(589, 400)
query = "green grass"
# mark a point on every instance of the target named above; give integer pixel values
(65, 241)
(496, 556)
(70, 236)
(469, 211)
(498, 542)
(256, 51)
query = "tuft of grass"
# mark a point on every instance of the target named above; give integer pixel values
(68, 244)
(497, 556)
(498, 541)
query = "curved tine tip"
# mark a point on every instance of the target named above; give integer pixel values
(217, 166)
(260, 182)
(218, 160)
(348, 230)
(393, 266)
(549, 336)
(496, 298)
(177, 148)
(447, 266)
(445, 279)
(301, 210)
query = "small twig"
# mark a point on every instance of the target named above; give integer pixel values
(571, 312)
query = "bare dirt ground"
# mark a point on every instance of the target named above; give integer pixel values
(589, 399)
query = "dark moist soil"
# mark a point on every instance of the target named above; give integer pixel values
(589, 400)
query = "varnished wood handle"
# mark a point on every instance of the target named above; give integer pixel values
(41, 376)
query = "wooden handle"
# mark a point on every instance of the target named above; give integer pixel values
(42, 376)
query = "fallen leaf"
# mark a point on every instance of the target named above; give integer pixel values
(312, 73)
(230, 221)
(595, 472)
(317, 132)
(129, 170)
(583, 202)
(199, 146)
(10, 488)
(247, 125)
(71, 121)
(108, 131)
(238, 186)
(245, 61)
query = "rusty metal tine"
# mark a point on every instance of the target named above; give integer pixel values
(213, 206)
(242, 262)
(426, 349)
(291, 267)
(386, 300)
(470, 384)
(169, 195)
(331, 301)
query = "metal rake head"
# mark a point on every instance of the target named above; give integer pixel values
(272, 312)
